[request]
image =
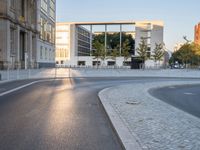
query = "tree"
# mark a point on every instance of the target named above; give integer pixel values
(142, 51)
(187, 54)
(126, 48)
(98, 52)
(114, 54)
(158, 53)
(113, 39)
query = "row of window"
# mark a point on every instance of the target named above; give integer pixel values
(109, 63)
(47, 31)
(62, 53)
(83, 32)
(83, 44)
(83, 38)
(52, 7)
(82, 51)
(46, 54)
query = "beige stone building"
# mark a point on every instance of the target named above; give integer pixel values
(18, 33)
(27, 33)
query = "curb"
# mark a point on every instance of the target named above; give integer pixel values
(128, 140)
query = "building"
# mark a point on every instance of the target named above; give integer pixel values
(18, 33)
(74, 42)
(27, 29)
(46, 27)
(197, 34)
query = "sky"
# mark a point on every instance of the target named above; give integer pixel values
(179, 16)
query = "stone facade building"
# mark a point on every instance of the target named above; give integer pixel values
(46, 26)
(18, 34)
(27, 33)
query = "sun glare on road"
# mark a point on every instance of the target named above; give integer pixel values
(61, 106)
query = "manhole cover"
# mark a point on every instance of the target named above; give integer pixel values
(133, 102)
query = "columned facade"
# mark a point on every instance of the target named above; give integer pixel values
(79, 53)
(18, 30)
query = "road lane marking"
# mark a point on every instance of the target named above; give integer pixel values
(25, 85)
(16, 89)
(187, 93)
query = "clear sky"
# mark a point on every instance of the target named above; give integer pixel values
(179, 16)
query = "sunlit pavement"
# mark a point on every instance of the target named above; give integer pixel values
(60, 114)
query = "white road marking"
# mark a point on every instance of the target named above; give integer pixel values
(187, 93)
(23, 86)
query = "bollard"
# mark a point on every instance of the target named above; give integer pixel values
(0, 77)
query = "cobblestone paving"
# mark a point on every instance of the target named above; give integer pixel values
(157, 125)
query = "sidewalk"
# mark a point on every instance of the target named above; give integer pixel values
(88, 72)
(11, 75)
(150, 123)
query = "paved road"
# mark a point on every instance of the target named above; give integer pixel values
(13, 84)
(61, 114)
(185, 97)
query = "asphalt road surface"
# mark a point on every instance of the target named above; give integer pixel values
(186, 98)
(60, 115)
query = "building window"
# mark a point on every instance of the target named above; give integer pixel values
(111, 63)
(50, 54)
(46, 53)
(41, 52)
(95, 63)
(22, 8)
(52, 9)
(12, 41)
(43, 29)
(53, 35)
(12, 4)
(81, 63)
(44, 5)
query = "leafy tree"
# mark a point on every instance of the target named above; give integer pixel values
(98, 52)
(158, 53)
(187, 54)
(126, 48)
(113, 40)
(142, 51)
(114, 54)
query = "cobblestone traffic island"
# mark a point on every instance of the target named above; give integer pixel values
(150, 123)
